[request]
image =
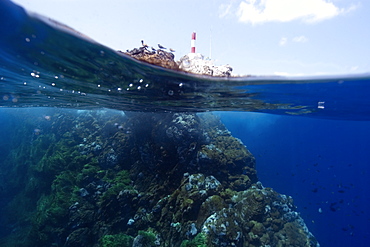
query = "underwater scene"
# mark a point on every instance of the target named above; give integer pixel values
(98, 148)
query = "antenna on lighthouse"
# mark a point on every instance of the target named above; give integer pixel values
(210, 43)
(193, 38)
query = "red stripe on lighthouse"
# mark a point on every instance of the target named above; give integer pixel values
(193, 38)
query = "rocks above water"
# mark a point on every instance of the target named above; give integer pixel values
(197, 64)
(193, 62)
(157, 57)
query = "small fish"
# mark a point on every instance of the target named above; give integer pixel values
(161, 47)
(153, 48)
(333, 208)
(172, 50)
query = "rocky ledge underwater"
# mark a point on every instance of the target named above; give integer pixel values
(107, 178)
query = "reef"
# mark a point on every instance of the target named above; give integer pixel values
(103, 178)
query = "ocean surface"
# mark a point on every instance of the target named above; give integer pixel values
(310, 135)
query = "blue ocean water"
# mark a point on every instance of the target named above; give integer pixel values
(309, 134)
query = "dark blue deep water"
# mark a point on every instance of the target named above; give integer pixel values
(310, 135)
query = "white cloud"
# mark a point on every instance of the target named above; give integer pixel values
(260, 11)
(300, 39)
(224, 10)
(283, 41)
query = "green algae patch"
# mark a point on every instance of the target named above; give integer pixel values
(200, 240)
(54, 207)
(116, 240)
(118, 182)
(146, 238)
(90, 171)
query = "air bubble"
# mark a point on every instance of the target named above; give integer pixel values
(35, 75)
(170, 92)
(321, 104)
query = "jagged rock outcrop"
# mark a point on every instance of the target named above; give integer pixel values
(157, 57)
(195, 63)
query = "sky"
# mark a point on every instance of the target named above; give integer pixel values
(255, 37)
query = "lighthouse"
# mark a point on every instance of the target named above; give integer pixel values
(193, 38)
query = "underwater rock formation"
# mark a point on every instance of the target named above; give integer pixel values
(147, 179)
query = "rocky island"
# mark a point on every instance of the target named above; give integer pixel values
(193, 62)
